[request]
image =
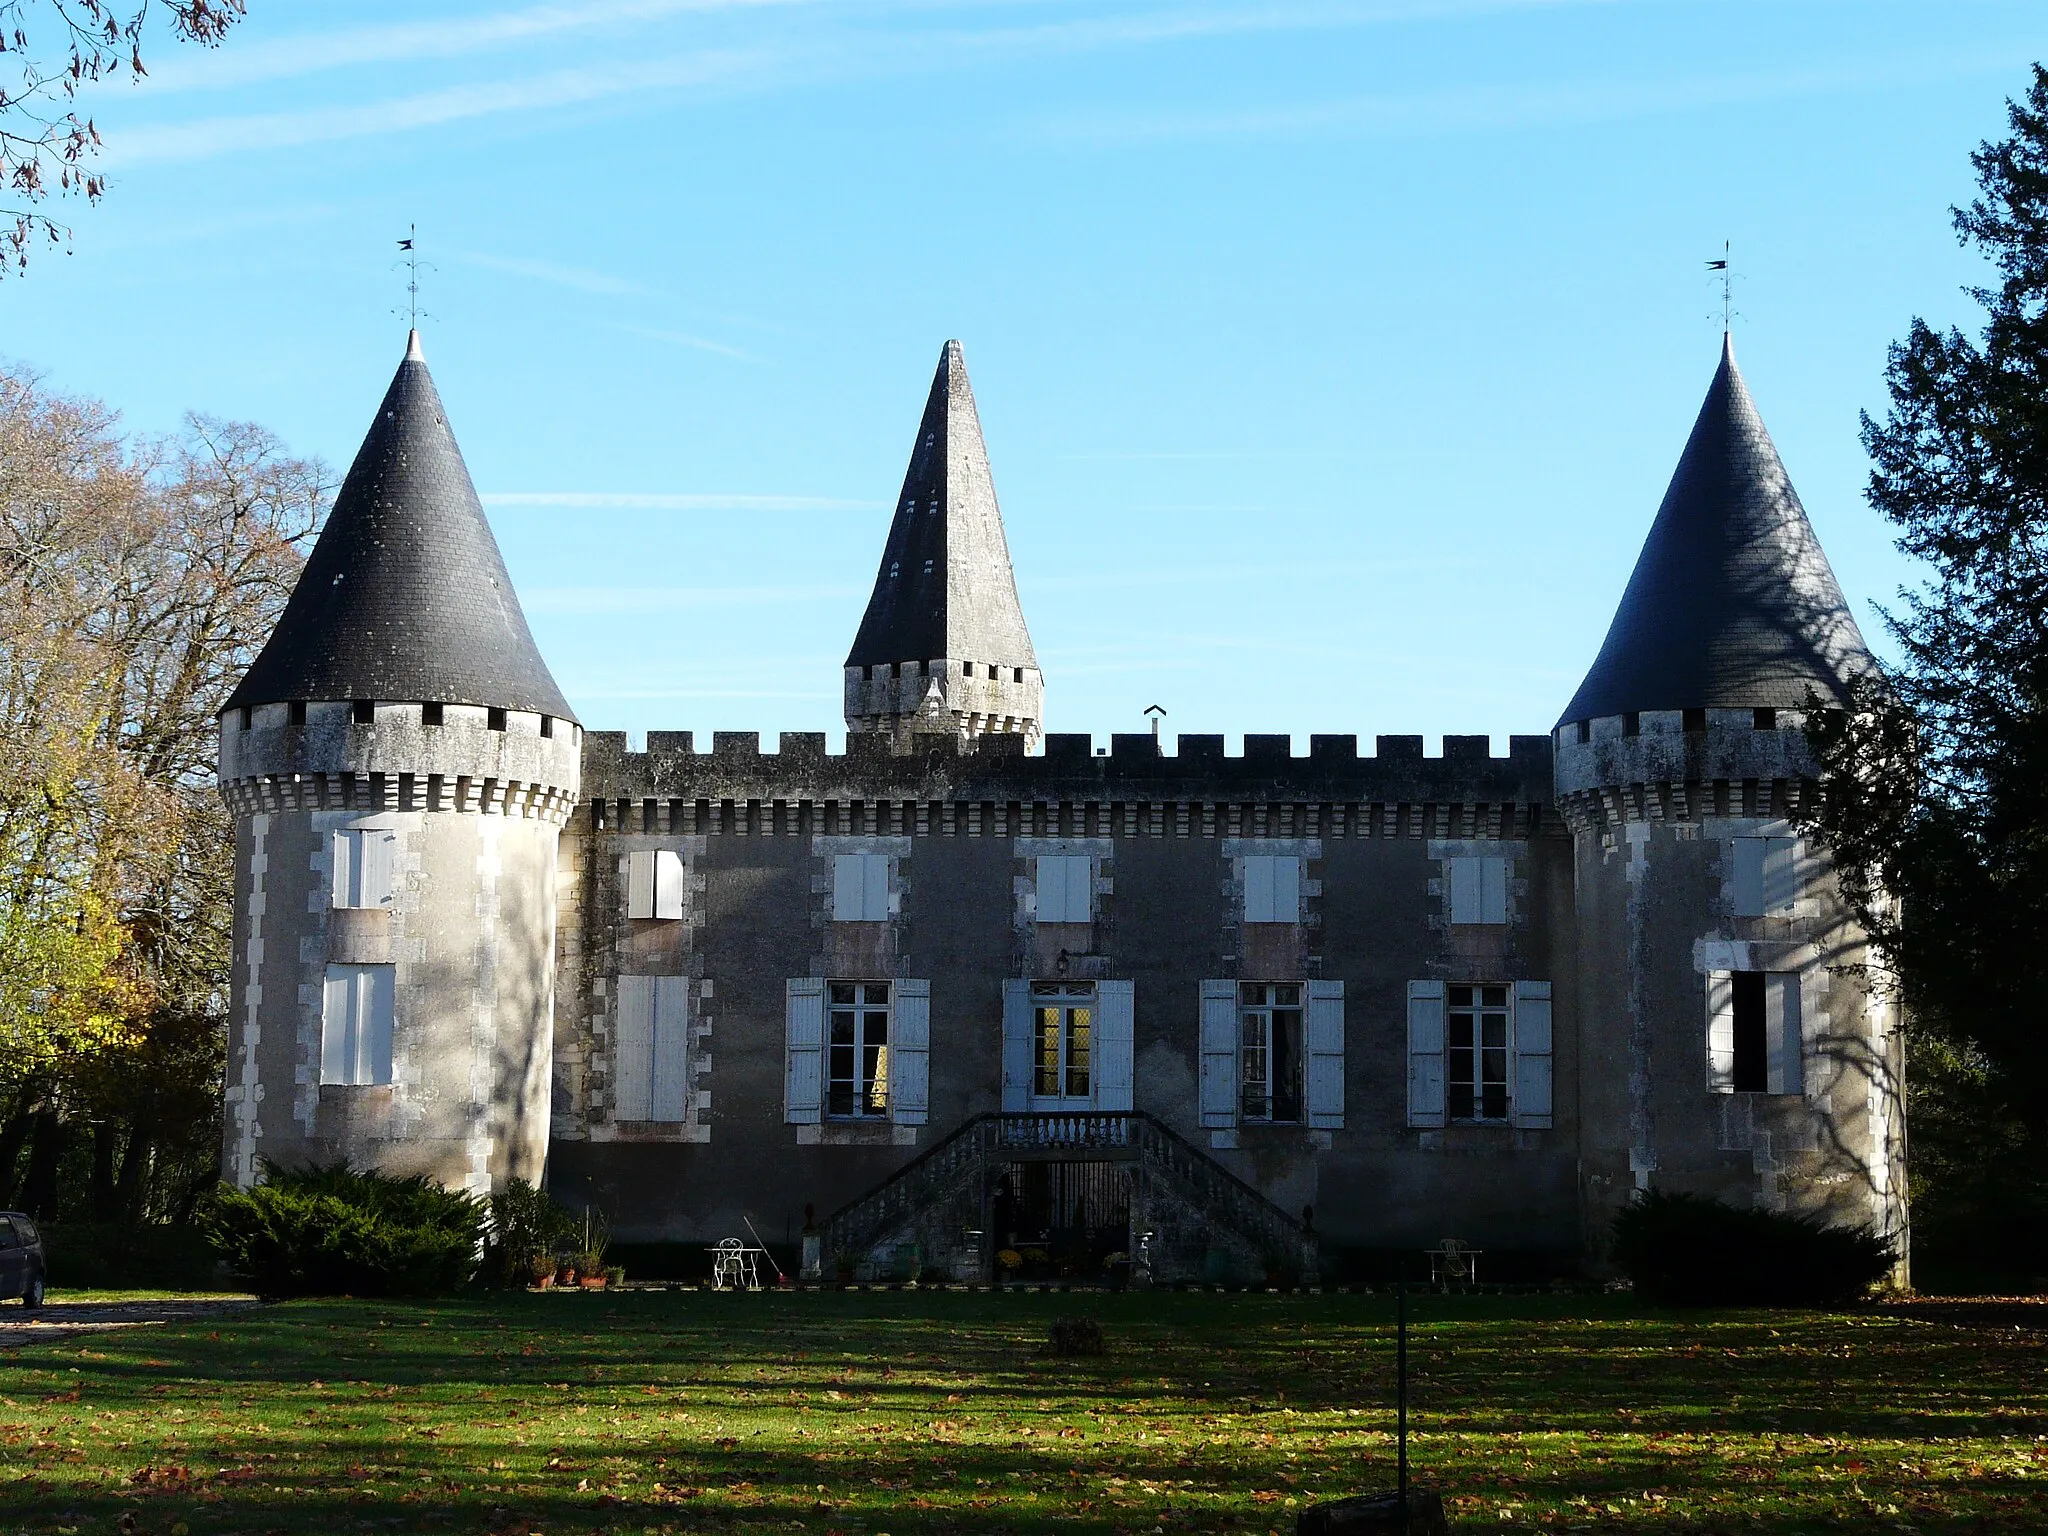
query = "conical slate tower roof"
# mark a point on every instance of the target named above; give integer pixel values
(1732, 604)
(945, 587)
(405, 596)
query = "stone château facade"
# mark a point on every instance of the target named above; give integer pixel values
(975, 1006)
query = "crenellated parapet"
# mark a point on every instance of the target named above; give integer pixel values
(1682, 765)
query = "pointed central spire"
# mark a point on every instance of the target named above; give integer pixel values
(944, 610)
(405, 596)
(1732, 604)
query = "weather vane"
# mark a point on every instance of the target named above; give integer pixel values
(409, 258)
(1727, 285)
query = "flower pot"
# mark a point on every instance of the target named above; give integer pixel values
(544, 1282)
(593, 1282)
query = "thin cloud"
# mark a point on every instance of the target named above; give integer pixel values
(683, 339)
(582, 279)
(675, 501)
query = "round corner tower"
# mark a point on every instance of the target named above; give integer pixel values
(943, 647)
(400, 764)
(1736, 1045)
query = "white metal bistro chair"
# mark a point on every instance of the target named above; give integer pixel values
(1452, 1262)
(734, 1267)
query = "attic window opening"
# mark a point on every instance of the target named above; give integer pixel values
(248, 716)
(363, 711)
(1019, 674)
(867, 672)
(991, 673)
(924, 669)
(298, 711)
(1695, 720)
(967, 669)
(547, 725)
(1583, 732)
(496, 719)
(1631, 724)
(1764, 719)
(430, 714)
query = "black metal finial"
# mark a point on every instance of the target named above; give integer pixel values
(409, 258)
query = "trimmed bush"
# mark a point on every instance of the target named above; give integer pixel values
(1690, 1251)
(337, 1231)
(523, 1223)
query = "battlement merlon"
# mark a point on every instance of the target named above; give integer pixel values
(939, 768)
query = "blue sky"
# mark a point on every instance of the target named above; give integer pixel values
(1333, 356)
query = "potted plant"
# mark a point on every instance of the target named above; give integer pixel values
(565, 1269)
(590, 1271)
(615, 1275)
(542, 1267)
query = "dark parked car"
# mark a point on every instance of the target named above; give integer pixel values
(21, 1259)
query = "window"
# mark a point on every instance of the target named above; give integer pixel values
(857, 1051)
(860, 888)
(547, 725)
(1062, 1039)
(494, 718)
(1476, 1053)
(248, 716)
(297, 711)
(362, 867)
(651, 1049)
(1269, 1051)
(654, 884)
(1754, 1039)
(1693, 720)
(1763, 720)
(1766, 876)
(363, 711)
(992, 674)
(967, 669)
(1066, 888)
(1272, 888)
(1479, 890)
(432, 714)
(355, 1025)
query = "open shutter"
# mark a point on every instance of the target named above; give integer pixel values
(1749, 876)
(803, 1094)
(1782, 1041)
(1325, 1031)
(1780, 880)
(377, 849)
(1426, 1053)
(1721, 1027)
(1287, 889)
(1016, 1046)
(1219, 1055)
(338, 1025)
(640, 884)
(848, 875)
(1258, 888)
(1115, 1067)
(910, 1039)
(343, 859)
(668, 884)
(1464, 902)
(633, 1049)
(874, 887)
(1080, 889)
(1493, 890)
(1533, 1075)
(670, 1094)
(375, 984)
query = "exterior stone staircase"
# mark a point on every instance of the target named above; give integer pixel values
(1189, 1216)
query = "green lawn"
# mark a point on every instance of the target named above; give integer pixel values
(905, 1412)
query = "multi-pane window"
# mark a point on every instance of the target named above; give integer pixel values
(1062, 1039)
(1476, 1052)
(1269, 1072)
(857, 1050)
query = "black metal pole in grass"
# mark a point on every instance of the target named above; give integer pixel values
(1401, 1393)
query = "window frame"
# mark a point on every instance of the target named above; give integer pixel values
(1064, 998)
(1476, 1082)
(1258, 1096)
(868, 1081)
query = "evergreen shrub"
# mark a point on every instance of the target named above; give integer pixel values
(1690, 1251)
(523, 1223)
(340, 1231)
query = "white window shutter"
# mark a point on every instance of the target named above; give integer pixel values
(1749, 876)
(1465, 890)
(910, 1039)
(803, 1094)
(669, 1041)
(1016, 1046)
(1780, 876)
(337, 1026)
(849, 878)
(640, 884)
(633, 1048)
(668, 884)
(1533, 1072)
(1080, 889)
(1425, 1053)
(1258, 888)
(1721, 1025)
(1782, 1034)
(874, 887)
(1287, 889)
(376, 850)
(341, 861)
(1324, 1028)
(1219, 1055)
(1114, 1046)
(377, 988)
(1493, 890)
